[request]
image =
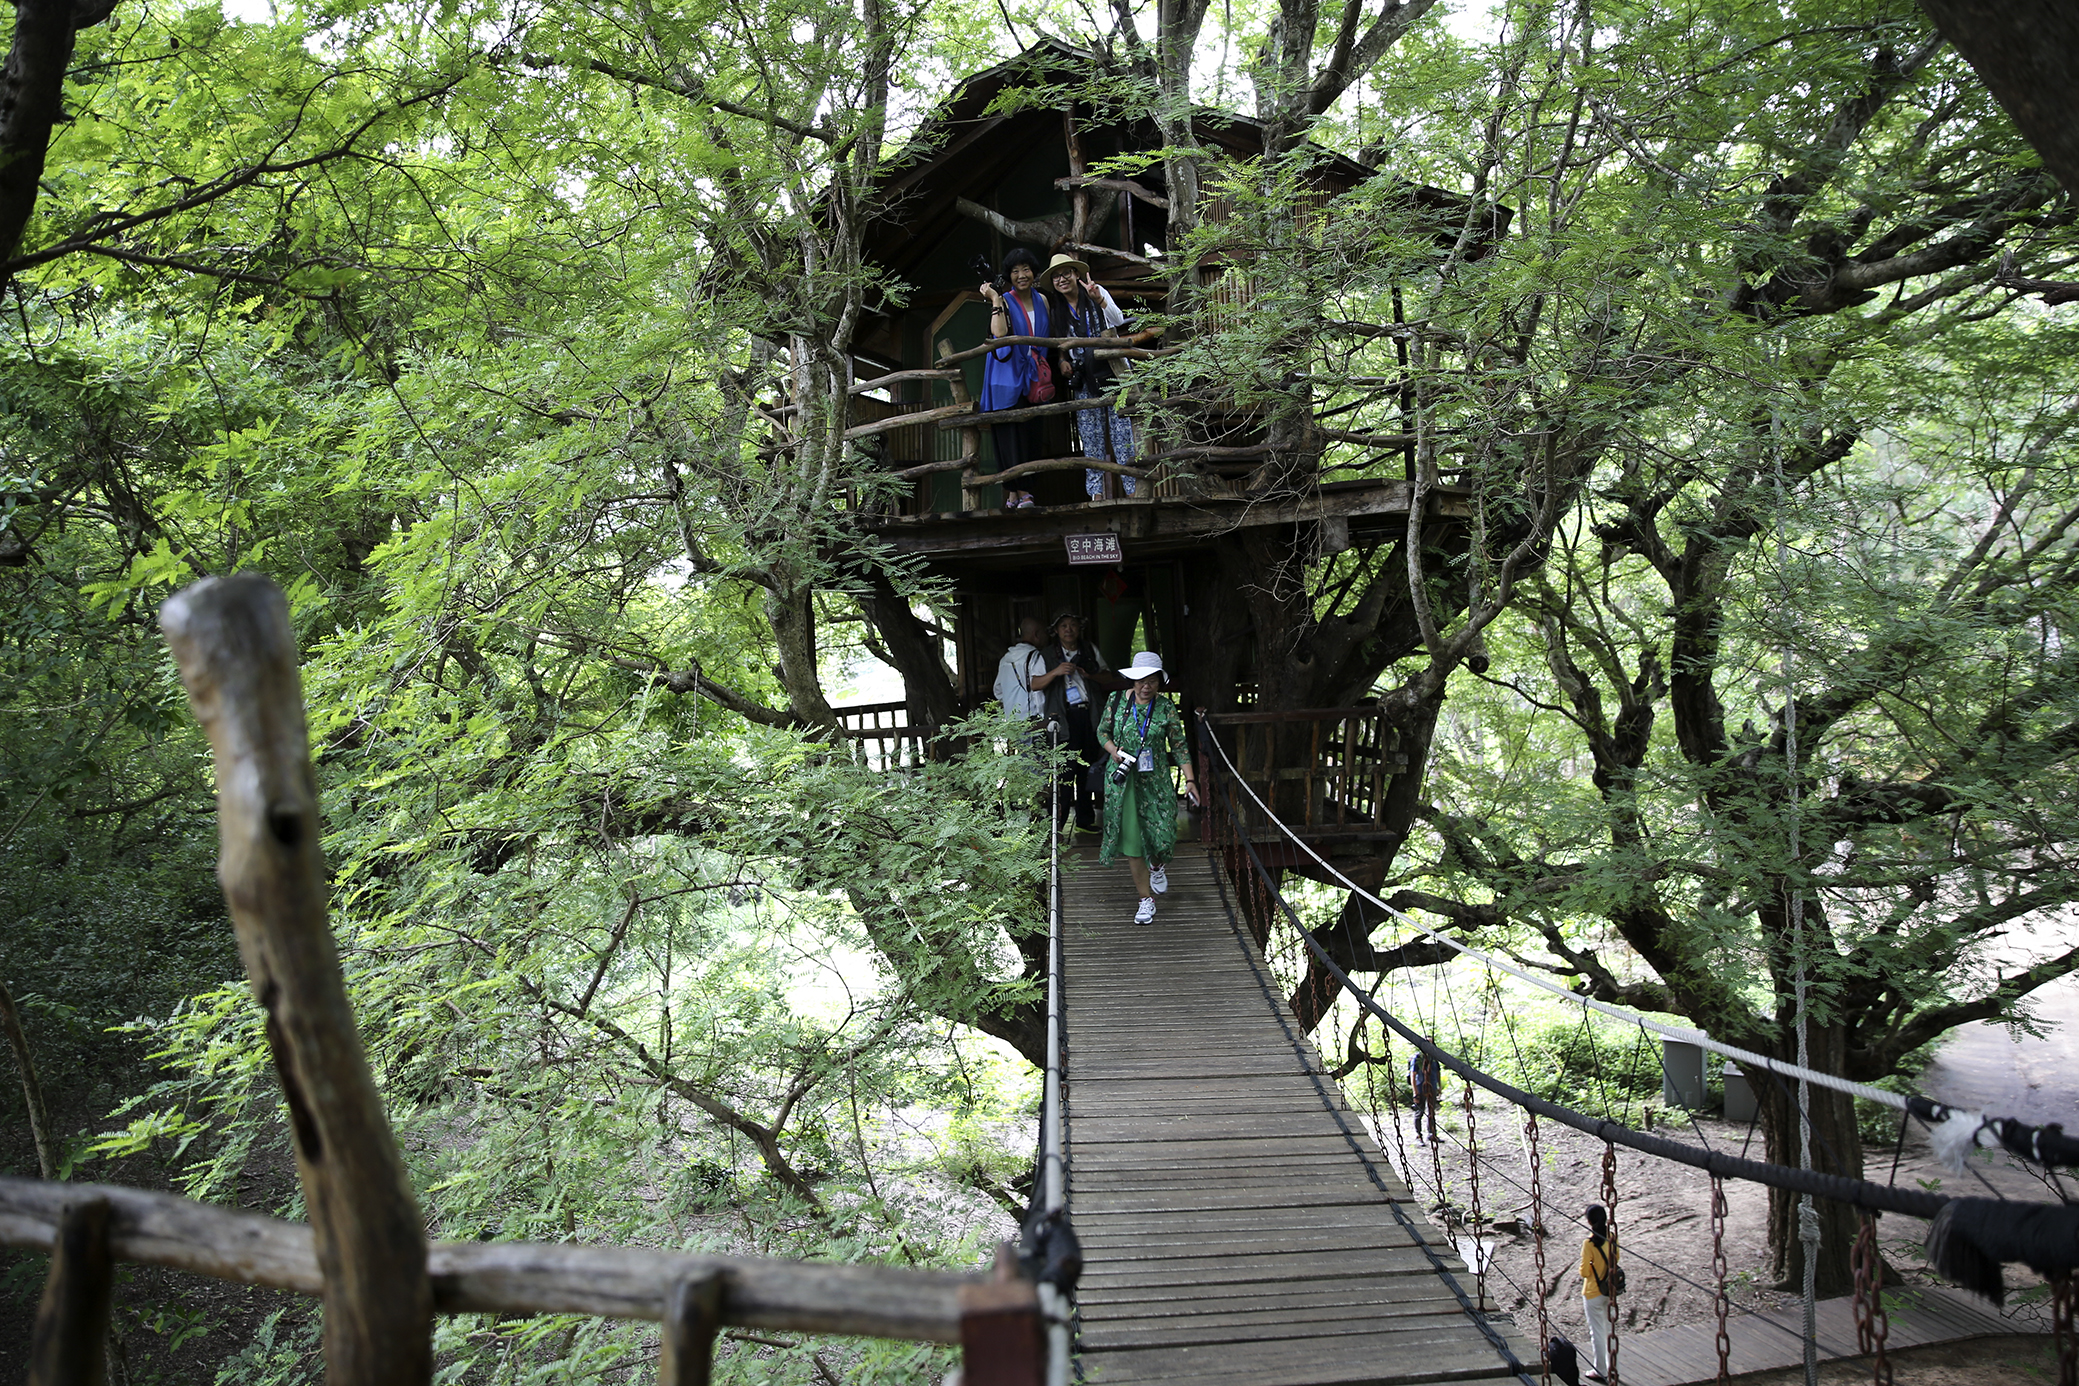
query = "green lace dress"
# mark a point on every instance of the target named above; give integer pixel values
(1140, 816)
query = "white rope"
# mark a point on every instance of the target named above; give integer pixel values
(1747, 1058)
(1807, 1211)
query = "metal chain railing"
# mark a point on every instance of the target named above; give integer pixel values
(1472, 1165)
(1537, 1240)
(1611, 1252)
(1872, 1324)
(2064, 1295)
(1722, 1301)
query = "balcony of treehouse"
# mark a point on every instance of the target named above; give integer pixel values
(1324, 772)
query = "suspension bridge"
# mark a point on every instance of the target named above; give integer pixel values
(1240, 1223)
(1237, 1224)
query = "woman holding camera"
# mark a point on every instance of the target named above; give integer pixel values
(1082, 308)
(1009, 373)
(1143, 734)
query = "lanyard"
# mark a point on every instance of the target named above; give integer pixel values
(1144, 723)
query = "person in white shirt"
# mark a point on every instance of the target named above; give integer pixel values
(1015, 672)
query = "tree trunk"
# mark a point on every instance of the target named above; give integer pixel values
(32, 91)
(790, 608)
(1836, 1149)
(2027, 53)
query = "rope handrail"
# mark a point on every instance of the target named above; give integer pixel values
(2045, 1145)
(1861, 1193)
(1050, 1191)
(1680, 1033)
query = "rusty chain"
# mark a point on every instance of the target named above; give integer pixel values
(2064, 1291)
(1433, 1105)
(1537, 1242)
(1400, 1136)
(1472, 1165)
(1718, 1269)
(1872, 1324)
(1613, 1251)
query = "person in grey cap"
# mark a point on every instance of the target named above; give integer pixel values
(1143, 734)
(1076, 677)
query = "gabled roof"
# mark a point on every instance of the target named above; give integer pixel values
(963, 150)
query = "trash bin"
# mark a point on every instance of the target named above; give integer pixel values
(1739, 1094)
(1682, 1075)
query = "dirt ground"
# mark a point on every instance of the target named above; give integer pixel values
(2017, 1361)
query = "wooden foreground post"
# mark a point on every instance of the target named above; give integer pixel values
(237, 658)
(1003, 1340)
(71, 1336)
(692, 1318)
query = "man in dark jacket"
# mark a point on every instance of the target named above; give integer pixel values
(1075, 684)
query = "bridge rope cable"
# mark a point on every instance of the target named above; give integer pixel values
(1859, 1193)
(1680, 1033)
(1807, 1212)
(1260, 972)
(1397, 1144)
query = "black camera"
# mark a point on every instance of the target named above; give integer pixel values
(1119, 772)
(986, 272)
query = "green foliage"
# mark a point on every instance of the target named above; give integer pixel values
(453, 319)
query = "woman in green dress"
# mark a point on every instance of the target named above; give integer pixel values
(1143, 734)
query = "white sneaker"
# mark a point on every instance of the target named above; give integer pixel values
(1146, 913)
(1158, 880)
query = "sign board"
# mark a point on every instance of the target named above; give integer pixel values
(1093, 548)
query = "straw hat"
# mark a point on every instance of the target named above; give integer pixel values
(1145, 663)
(1064, 262)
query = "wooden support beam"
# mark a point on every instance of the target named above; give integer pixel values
(692, 1318)
(898, 377)
(1105, 348)
(238, 660)
(1042, 464)
(1048, 410)
(70, 1343)
(1065, 464)
(895, 421)
(1124, 185)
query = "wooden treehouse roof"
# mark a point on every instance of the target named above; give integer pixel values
(1012, 164)
(965, 150)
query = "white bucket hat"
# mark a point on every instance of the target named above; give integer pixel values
(1145, 663)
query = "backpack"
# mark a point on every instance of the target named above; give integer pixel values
(1564, 1361)
(1611, 1282)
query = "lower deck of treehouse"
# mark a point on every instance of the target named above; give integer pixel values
(1237, 1227)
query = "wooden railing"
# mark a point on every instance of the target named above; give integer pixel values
(1324, 771)
(883, 733)
(364, 1251)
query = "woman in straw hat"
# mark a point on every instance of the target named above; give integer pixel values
(1082, 308)
(1143, 734)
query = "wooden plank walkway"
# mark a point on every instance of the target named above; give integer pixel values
(1920, 1317)
(1235, 1228)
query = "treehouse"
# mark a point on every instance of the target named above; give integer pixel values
(990, 170)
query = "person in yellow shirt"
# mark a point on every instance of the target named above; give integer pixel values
(1598, 1301)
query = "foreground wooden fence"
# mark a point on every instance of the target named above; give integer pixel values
(364, 1251)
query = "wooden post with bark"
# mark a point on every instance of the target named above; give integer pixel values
(970, 441)
(237, 656)
(69, 1346)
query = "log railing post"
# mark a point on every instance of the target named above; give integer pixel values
(1003, 1338)
(970, 442)
(237, 656)
(692, 1318)
(71, 1336)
